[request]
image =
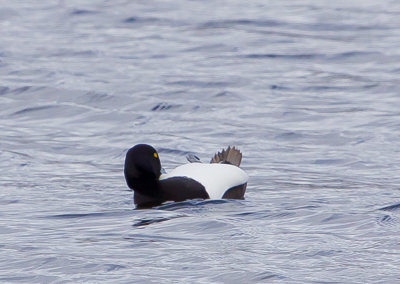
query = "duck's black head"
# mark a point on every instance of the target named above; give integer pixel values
(142, 169)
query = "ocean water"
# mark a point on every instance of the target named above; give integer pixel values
(308, 90)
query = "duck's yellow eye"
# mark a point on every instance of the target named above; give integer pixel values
(155, 155)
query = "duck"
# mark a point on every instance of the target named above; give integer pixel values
(222, 178)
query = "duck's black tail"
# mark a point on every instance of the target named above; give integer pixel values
(229, 156)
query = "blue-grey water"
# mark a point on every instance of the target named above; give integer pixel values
(308, 90)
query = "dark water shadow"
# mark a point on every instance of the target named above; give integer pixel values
(89, 215)
(4, 90)
(388, 221)
(165, 106)
(394, 207)
(148, 221)
(82, 12)
(172, 206)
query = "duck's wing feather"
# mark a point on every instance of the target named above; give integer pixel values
(230, 155)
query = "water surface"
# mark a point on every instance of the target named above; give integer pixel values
(308, 90)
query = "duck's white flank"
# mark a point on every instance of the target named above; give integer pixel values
(216, 178)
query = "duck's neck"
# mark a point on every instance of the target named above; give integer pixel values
(148, 186)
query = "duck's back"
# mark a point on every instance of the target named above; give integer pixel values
(217, 179)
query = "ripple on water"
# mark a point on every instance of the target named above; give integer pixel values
(394, 207)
